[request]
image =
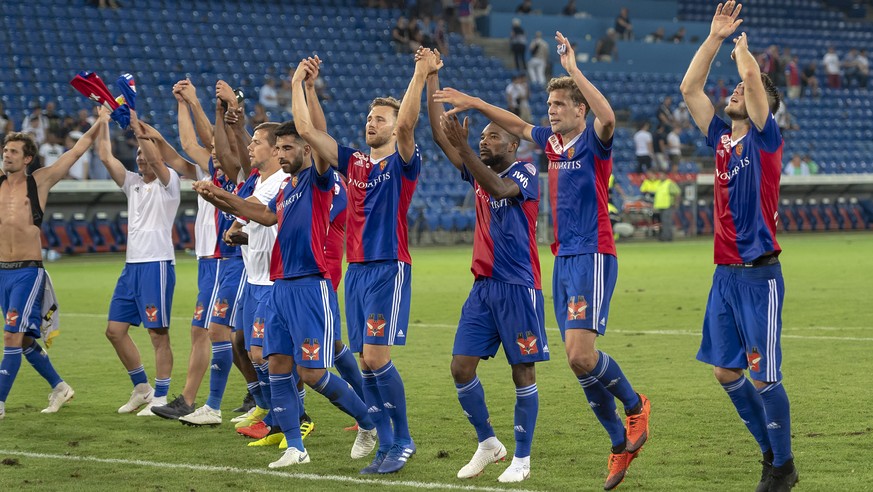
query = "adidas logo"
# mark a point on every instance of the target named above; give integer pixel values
(593, 404)
(519, 428)
(613, 382)
(279, 409)
(546, 349)
(602, 321)
(215, 367)
(374, 409)
(745, 421)
(4, 372)
(388, 405)
(773, 426)
(400, 334)
(466, 414)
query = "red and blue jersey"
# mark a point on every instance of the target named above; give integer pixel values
(379, 194)
(223, 220)
(747, 174)
(579, 173)
(504, 243)
(336, 234)
(302, 207)
(247, 187)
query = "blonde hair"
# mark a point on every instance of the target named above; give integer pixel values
(570, 86)
(386, 101)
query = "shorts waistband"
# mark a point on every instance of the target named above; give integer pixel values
(15, 265)
(764, 260)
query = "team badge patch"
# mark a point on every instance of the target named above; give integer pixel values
(294, 181)
(376, 325)
(219, 309)
(198, 311)
(382, 164)
(571, 152)
(527, 343)
(258, 328)
(151, 312)
(12, 317)
(739, 149)
(576, 308)
(311, 349)
(754, 360)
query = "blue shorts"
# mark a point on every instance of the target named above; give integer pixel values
(743, 322)
(230, 278)
(582, 287)
(253, 309)
(302, 316)
(377, 303)
(205, 289)
(497, 312)
(21, 292)
(144, 294)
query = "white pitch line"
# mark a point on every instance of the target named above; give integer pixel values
(624, 332)
(256, 471)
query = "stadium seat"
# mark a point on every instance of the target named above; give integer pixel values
(83, 242)
(61, 231)
(105, 238)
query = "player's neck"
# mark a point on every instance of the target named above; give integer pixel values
(269, 169)
(566, 137)
(739, 128)
(382, 151)
(302, 168)
(16, 176)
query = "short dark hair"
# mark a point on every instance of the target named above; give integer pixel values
(570, 86)
(29, 144)
(286, 129)
(774, 99)
(270, 128)
(386, 101)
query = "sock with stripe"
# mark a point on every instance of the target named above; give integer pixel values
(255, 389)
(609, 373)
(266, 393)
(301, 401)
(347, 366)
(338, 392)
(9, 369)
(162, 387)
(394, 397)
(40, 361)
(285, 411)
(527, 405)
(375, 407)
(602, 403)
(778, 412)
(138, 376)
(222, 361)
(471, 395)
(750, 406)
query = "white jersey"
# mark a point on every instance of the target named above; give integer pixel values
(151, 209)
(261, 238)
(205, 232)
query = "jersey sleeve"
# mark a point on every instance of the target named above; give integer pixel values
(343, 156)
(770, 136)
(323, 182)
(466, 176)
(717, 128)
(602, 150)
(524, 175)
(130, 179)
(272, 204)
(540, 135)
(412, 168)
(174, 186)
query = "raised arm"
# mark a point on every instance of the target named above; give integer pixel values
(229, 163)
(724, 23)
(168, 154)
(410, 106)
(104, 150)
(188, 135)
(240, 138)
(322, 143)
(435, 111)
(232, 204)
(493, 184)
(150, 150)
(604, 117)
(49, 176)
(753, 87)
(201, 123)
(316, 113)
(506, 120)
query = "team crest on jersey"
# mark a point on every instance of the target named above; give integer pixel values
(294, 181)
(527, 343)
(258, 328)
(198, 311)
(151, 312)
(382, 164)
(576, 308)
(739, 149)
(556, 144)
(376, 325)
(571, 152)
(219, 309)
(754, 359)
(12, 317)
(311, 349)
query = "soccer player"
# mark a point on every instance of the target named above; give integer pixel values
(585, 271)
(378, 280)
(302, 309)
(144, 292)
(22, 279)
(743, 321)
(506, 303)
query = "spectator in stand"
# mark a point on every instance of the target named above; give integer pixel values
(831, 63)
(719, 95)
(811, 164)
(103, 4)
(6, 124)
(464, 12)
(518, 44)
(666, 198)
(79, 170)
(517, 96)
(665, 113)
(606, 49)
(268, 97)
(52, 117)
(793, 79)
(539, 57)
(35, 123)
(659, 147)
(863, 69)
(678, 36)
(796, 167)
(674, 149)
(850, 67)
(401, 35)
(50, 150)
(771, 64)
(681, 118)
(259, 116)
(809, 79)
(655, 37)
(623, 27)
(83, 122)
(569, 9)
(785, 120)
(643, 147)
(424, 27)
(440, 38)
(524, 7)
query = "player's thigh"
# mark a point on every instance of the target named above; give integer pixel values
(156, 282)
(518, 313)
(722, 343)
(356, 318)
(584, 284)
(22, 300)
(205, 290)
(277, 334)
(760, 293)
(386, 304)
(231, 280)
(477, 334)
(313, 322)
(123, 306)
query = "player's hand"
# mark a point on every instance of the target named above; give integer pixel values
(149, 132)
(426, 62)
(102, 115)
(567, 53)
(233, 116)
(725, 21)
(459, 100)
(454, 131)
(224, 92)
(186, 90)
(314, 68)
(237, 238)
(741, 43)
(301, 72)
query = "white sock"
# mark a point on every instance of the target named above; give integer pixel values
(489, 443)
(521, 461)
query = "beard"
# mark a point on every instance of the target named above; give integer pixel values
(291, 167)
(736, 113)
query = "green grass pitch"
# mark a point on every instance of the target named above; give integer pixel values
(697, 441)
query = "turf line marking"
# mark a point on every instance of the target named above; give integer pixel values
(695, 333)
(256, 471)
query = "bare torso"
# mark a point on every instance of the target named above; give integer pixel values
(19, 237)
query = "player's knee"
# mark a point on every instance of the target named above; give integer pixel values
(524, 375)
(725, 375)
(582, 362)
(462, 373)
(338, 346)
(375, 360)
(759, 385)
(310, 376)
(11, 339)
(113, 335)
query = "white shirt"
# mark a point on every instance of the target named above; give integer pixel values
(831, 62)
(79, 170)
(151, 209)
(262, 238)
(205, 234)
(268, 96)
(49, 153)
(642, 141)
(674, 145)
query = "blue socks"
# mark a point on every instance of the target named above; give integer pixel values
(750, 406)
(602, 402)
(162, 387)
(527, 405)
(9, 369)
(138, 376)
(338, 392)
(394, 400)
(778, 413)
(347, 366)
(471, 395)
(373, 400)
(222, 360)
(40, 361)
(608, 372)
(285, 411)
(266, 393)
